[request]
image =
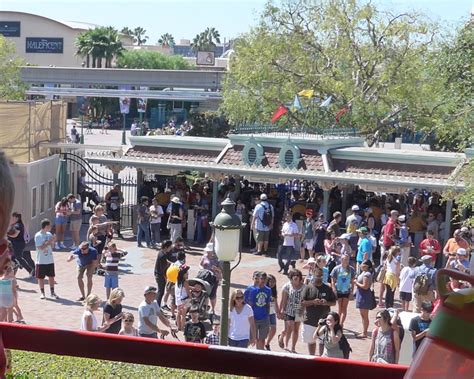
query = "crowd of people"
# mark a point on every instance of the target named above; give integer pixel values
(324, 264)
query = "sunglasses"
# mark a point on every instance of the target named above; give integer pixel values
(128, 320)
(378, 317)
(84, 248)
(239, 297)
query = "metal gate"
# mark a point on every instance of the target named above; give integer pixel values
(101, 180)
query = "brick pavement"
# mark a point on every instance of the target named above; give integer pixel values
(136, 272)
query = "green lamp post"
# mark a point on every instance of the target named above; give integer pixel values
(227, 227)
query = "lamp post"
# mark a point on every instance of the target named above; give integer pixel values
(82, 130)
(227, 226)
(124, 139)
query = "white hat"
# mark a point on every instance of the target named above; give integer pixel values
(263, 197)
(355, 207)
(175, 199)
(311, 260)
(402, 218)
(209, 247)
(461, 251)
(426, 258)
(346, 236)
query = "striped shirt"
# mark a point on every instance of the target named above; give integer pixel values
(111, 262)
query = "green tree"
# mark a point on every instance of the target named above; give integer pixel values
(101, 43)
(209, 124)
(370, 62)
(139, 34)
(206, 40)
(128, 32)
(151, 60)
(11, 86)
(166, 40)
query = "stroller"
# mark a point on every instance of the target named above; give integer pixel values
(200, 296)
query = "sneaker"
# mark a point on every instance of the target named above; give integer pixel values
(267, 347)
(56, 246)
(80, 299)
(42, 296)
(73, 247)
(257, 253)
(54, 296)
(62, 245)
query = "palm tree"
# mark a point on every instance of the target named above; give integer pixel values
(83, 47)
(129, 33)
(139, 34)
(99, 43)
(166, 40)
(114, 45)
(212, 35)
(207, 40)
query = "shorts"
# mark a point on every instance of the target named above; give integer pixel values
(262, 235)
(405, 296)
(342, 295)
(307, 334)
(238, 343)
(170, 290)
(288, 317)
(213, 293)
(308, 244)
(273, 319)
(151, 335)
(75, 225)
(262, 327)
(42, 271)
(89, 270)
(60, 220)
(110, 281)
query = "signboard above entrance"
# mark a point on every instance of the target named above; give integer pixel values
(44, 45)
(10, 28)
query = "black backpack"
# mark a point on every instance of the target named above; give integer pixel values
(267, 218)
(207, 276)
(345, 347)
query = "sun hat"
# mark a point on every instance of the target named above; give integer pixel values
(426, 258)
(346, 236)
(175, 199)
(355, 207)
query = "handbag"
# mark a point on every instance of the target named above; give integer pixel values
(373, 303)
(381, 273)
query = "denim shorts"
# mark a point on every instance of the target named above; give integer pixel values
(240, 343)
(110, 281)
(60, 220)
(273, 319)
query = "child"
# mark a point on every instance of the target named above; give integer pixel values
(321, 262)
(16, 308)
(213, 337)
(274, 310)
(407, 276)
(182, 293)
(112, 259)
(310, 266)
(7, 294)
(128, 329)
(194, 330)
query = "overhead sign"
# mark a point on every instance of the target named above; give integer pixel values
(10, 28)
(205, 58)
(44, 45)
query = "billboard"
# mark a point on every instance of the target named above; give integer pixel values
(205, 58)
(10, 28)
(44, 45)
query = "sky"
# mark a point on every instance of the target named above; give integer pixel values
(186, 18)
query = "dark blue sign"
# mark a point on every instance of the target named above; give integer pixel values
(44, 45)
(10, 28)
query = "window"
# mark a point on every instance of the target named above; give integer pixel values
(252, 155)
(178, 105)
(50, 194)
(289, 156)
(42, 198)
(33, 201)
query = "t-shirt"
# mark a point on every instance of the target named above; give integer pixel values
(259, 299)
(143, 214)
(258, 214)
(76, 206)
(44, 256)
(151, 311)
(407, 276)
(452, 245)
(19, 240)
(426, 243)
(308, 229)
(161, 264)
(114, 311)
(315, 312)
(289, 228)
(194, 332)
(365, 246)
(418, 325)
(293, 305)
(343, 277)
(112, 261)
(239, 323)
(156, 212)
(83, 260)
(389, 233)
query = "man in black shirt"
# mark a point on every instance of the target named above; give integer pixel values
(317, 300)
(163, 261)
(419, 325)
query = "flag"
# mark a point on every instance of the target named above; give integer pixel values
(279, 112)
(306, 93)
(326, 102)
(124, 102)
(296, 104)
(340, 114)
(141, 102)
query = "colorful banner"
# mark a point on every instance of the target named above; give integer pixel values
(124, 101)
(279, 112)
(141, 102)
(296, 104)
(306, 93)
(340, 114)
(326, 102)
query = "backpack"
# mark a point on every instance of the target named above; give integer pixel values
(207, 276)
(267, 215)
(421, 284)
(345, 347)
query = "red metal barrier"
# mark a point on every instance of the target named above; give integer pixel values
(185, 355)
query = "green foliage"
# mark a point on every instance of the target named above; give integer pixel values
(209, 124)
(11, 86)
(368, 60)
(137, 35)
(166, 40)
(98, 44)
(206, 40)
(151, 60)
(37, 365)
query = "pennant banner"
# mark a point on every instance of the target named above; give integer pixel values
(306, 93)
(340, 114)
(296, 104)
(326, 102)
(279, 112)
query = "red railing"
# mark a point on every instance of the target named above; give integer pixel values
(185, 355)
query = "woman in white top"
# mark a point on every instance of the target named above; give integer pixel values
(89, 321)
(392, 275)
(241, 324)
(182, 293)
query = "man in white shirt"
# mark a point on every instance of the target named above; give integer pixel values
(149, 312)
(156, 212)
(44, 242)
(287, 251)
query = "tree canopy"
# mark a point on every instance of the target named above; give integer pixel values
(375, 66)
(11, 86)
(138, 34)
(151, 60)
(101, 43)
(206, 40)
(167, 40)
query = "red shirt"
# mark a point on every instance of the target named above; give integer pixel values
(389, 233)
(427, 243)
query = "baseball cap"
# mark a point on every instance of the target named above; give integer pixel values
(346, 236)
(311, 260)
(263, 197)
(355, 207)
(149, 289)
(461, 251)
(402, 218)
(426, 258)
(363, 230)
